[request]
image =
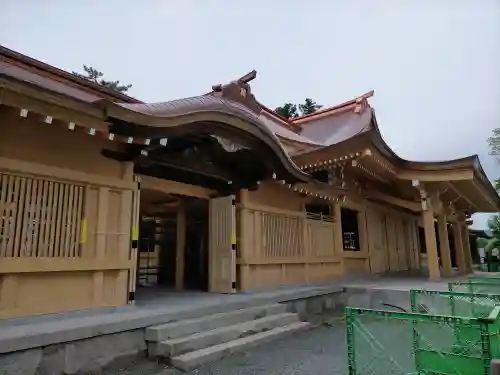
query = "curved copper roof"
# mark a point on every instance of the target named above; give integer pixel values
(234, 107)
(231, 105)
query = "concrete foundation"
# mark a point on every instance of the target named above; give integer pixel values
(389, 293)
(84, 343)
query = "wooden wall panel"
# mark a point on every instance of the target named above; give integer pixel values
(64, 245)
(280, 245)
(396, 233)
(377, 240)
(402, 244)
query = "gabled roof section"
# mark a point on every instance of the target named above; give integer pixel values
(283, 121)
(275, 125)
(27, 69)
(355, 105)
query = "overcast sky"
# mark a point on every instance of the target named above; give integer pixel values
(434, 64)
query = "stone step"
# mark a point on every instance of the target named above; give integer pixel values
(178, 346)
(200, 357)
(190, 326)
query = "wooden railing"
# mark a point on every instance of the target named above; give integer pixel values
(39, 217)
(284, 248)
(282, 236)
(277, 236)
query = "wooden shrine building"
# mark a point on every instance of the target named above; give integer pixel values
(102, 195)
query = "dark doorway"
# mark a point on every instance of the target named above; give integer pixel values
(196, 251)
(158, 241)
(350, 229)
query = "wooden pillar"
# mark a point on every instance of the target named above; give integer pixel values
(444, 245)
(180, 247)
(466, 247)
(245, 244)
(339, 245)
(459, 250)
(431, 244)
(306, 244)
(134, 248)
(125, 237)
(100, 244)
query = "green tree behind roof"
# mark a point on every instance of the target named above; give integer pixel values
(287, 110)
(309, 107)
(94, 75)
(290, 110)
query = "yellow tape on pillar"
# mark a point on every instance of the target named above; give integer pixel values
(83, 232)
(233, 238)
(135, 234)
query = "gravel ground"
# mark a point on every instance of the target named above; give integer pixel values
(320, 351)
(382, 347)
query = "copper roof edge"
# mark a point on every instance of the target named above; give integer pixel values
(384, 148)
(18, 57)
(283, 121)
(326, 111)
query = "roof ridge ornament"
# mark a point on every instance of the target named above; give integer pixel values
(239, 91)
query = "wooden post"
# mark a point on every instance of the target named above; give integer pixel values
(431, 244)
(459, 250)
(180, 247)
(244, 249)
(306, 243)
(134, 248)
(100, 244)
(339, 245)
(444, 245)
(363, 237)
(125, 237)
(466, 248)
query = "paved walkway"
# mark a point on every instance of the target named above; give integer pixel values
(320, 351)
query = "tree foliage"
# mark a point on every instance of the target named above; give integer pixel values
(94, 75)
(494, 221)
(309, 107)
(494, 225)
(494, 142)
(287, 110)
(290, 110)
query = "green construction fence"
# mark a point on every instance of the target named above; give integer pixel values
(477, 284)
(445, 333)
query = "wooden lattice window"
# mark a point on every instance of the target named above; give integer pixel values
(39, 218)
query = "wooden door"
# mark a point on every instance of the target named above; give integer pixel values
(402, 247)
(222, 250)
(377, 242)
(392, 243)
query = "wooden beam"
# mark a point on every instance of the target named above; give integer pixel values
(174, 187)
(42, 265)
(248, 77)
(409, 205)
(437, 176)
(61, 174)
(49, 103)
(485, 194)
(462, 196)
